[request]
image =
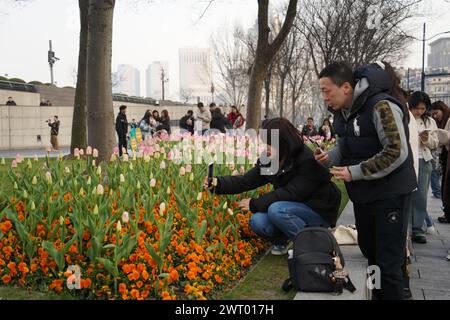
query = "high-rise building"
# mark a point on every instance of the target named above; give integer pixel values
(196, 81)
(154, 78)
(439, 57)
(127, 80)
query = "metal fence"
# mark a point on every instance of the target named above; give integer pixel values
(16, 86)
(441, 97)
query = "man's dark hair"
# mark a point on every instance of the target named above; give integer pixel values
(123, 107)
(310, 118)
(200, 105)
(212, 104)
(56, 117)
(190, 112)
(339, 73)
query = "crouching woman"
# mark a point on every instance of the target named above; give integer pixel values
(303, 191)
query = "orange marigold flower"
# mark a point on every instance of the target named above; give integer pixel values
(145, 275)
(191, 275)
(218, 278)
(122, 288)
(134, 294)
(85, 283)
(166, 296)
(126, 268)
(6, 279)
(173, 276)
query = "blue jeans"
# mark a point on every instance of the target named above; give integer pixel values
(419, 198)
(284, 220)
(436, 183)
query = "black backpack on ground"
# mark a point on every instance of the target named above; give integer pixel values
(316, 263)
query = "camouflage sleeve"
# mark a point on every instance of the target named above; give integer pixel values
(388, 120)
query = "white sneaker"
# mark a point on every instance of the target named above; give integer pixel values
(431, 230)
(279, 250)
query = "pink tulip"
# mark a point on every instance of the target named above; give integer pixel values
(76, 152)
(89, 150)
(188, 168)
(125, 217)
(81, 152)
(162, 165)
(95, 153)
(152, 183)
(116, 151)
(170, 156)
(14, 164)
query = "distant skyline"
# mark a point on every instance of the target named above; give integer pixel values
(144, 31)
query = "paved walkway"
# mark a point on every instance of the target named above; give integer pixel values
(430, 279)
(27, 153)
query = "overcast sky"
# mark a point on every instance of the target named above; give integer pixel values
(144, 31)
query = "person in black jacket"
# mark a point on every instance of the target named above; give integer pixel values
(187, 122)
(218, 119)
(374, 158)
(122, 128)
(303, 191)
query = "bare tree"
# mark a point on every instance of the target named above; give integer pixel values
(186, 94)
(342, 30)
(79, 130)
(265, 53)
(100, 114)
(232, 61)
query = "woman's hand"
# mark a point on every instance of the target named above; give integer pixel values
(209, 183)
(244, 205)
(424, 136)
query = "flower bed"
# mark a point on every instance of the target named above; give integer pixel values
(138, 228)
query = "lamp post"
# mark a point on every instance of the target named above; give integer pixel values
(422, 86)
(51, 60)
(212, 91)
(163, 81)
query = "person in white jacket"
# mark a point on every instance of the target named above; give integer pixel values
(420, 104)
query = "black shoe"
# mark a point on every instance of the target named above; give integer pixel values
(419, 239)
(407, 295)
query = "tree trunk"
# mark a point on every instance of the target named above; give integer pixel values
(79, 138)
(267, 93)
(264, 55)
(282, 95)
(100, 112)
(294, 115)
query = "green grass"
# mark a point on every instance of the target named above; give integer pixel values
(7, 293)
(265, 280)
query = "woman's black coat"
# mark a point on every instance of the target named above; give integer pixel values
(302, 179)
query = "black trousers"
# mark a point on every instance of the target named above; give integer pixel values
(382, 229)
(122, 143)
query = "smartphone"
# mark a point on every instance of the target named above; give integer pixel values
(318, 145)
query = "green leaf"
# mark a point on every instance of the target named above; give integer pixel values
(109, 266)
(109, 246)
(154, 255)
(212, 247)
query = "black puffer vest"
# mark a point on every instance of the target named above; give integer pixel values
(359, 141)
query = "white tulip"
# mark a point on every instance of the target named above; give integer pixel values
(122, 178)
(34, 181)
(100, 190)
(33, 206)
(125, 217)
(95, 210)
(162, 208)
(119, 226)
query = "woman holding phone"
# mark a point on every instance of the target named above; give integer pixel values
(303, 191)
(420, 106)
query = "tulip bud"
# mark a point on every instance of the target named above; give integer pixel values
(99, 171)
(67, 170)
(3, 162)
(75, 183)
(125, 217)
(113, 158)
(34, 181)
(134, 157)
(230, 212)
(191, 177)
(89, 150)
(188, 168)
(95, 153)
(14, 164)
(119, 226)
(225, 206)
(131, 165)
(25, 194)
(36, 158)
(60, 157)
(48, 177)
(125, 157)
(100, 190)
(182, 171)
(162, 208)
(81, 152)
(122, 178)
(95, 210)
(94, 163)
(61, 183)
(162, 165)
(151, 175)
(146, 158)
(89, 181)
(61, 220)
(29, 165)
(199, 196)
(138, 185)
(33, 206)
(82, 192)
(152, 183)
(168, 190)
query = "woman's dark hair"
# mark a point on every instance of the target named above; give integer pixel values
(155, 111)
(290, 139)
(440, 105)
(328, 122)
(235, 108)
(417, 98)
(165, 114)
(396, 90)
(147, 116)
